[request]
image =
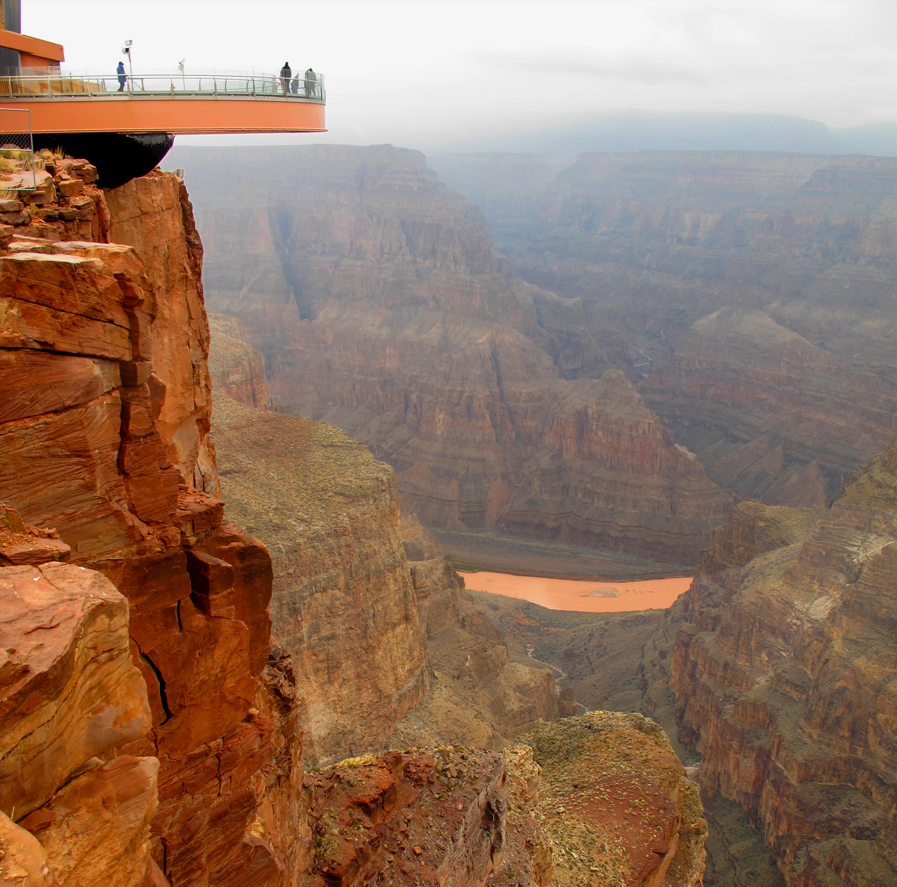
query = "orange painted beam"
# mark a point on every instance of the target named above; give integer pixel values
(174, 114)
(31, 46)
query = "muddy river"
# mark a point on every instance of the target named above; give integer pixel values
(581, 595)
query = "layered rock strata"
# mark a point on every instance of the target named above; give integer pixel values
(783, 673)
(373, 294)
(235, 366)
(770, 414)
(754, 291)
(70, 693)
(344, 603)
(386, 648)
(104, 433)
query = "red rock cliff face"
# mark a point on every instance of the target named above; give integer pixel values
(391, 318)
(154, 216)
(103, 430)
(755, 293)
(784, 677)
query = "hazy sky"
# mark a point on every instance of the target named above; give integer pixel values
(417, 72)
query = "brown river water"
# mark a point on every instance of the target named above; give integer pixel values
(581, 595)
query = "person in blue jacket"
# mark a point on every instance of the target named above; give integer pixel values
(122, 79)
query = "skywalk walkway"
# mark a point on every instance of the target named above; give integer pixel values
(167, 103)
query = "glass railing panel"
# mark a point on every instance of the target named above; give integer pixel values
(225, 84)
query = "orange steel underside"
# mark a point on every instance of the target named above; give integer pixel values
(174, 114)
(33, 46)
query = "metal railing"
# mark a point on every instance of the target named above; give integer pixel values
(56, 84)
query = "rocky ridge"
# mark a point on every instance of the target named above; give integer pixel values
(599, 799)
(614, 818)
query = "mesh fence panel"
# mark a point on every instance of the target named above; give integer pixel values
(17, 171)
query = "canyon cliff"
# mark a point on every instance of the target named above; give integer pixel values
(235, 366)
(378, 305)
(751, 295)
(783, 672)
(387, 649)
(152, 675)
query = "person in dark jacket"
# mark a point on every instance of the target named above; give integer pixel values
(286, 74)
(122, 79)
(311, 84)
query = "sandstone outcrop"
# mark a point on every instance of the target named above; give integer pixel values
(70, 692)
(596, 799)
(754, 291)
(104, 431)
(23, 862)
(783, 672)
(96, 828)
(21, 544)
(434, 818)
(154, 215)
(374, 296)
(617, 804)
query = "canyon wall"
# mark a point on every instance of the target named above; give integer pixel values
(161, 666)
(235, 366)
(386, 648)
(774, 677)
(783, 671)
(344, 604)
(376, 300)
(752, 294)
